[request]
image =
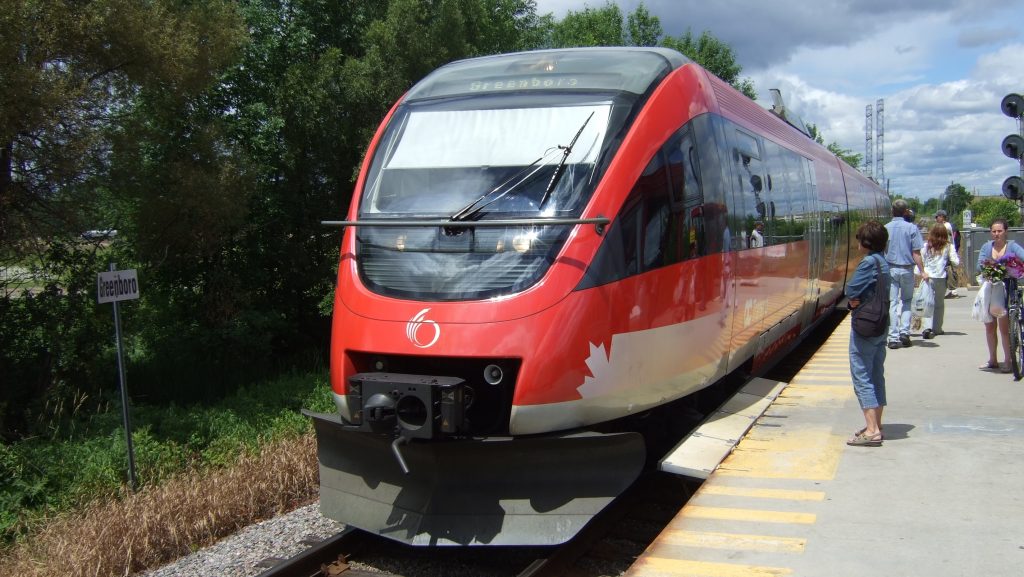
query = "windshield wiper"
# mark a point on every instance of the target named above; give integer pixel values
(475, 207)
(560, 169)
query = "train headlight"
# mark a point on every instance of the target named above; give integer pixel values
(493, 374)
(524, 242)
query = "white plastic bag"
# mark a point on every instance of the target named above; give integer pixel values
(979, 311)
(923, 303)
(997, 300)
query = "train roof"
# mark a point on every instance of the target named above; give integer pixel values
(621, 69)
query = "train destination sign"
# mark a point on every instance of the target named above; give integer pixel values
(117, 285)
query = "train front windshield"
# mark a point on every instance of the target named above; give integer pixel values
(507, 138)
(441, 160)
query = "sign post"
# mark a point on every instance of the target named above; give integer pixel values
(112, 287)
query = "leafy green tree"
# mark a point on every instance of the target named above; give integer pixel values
(72, 73)
(955, 198)
(643, 27)
(815, 133)
(72, 68)
(713, 54)
(988, 208)
(509, 25)
(850, 157)
(591, 27)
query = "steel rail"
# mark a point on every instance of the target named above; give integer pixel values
(309, 562)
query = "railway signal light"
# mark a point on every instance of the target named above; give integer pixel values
(1012, 105)
(1013, 188)
(1013, 146)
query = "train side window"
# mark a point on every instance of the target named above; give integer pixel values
(684, 223)
(638, 238)
(630, 238)
(652, 190)
(778, 198)
(694, 198)
(749, 171)
(787, 203)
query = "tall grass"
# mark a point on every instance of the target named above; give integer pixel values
(204, 471)
(112, 536)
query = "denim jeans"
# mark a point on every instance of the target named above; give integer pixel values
(934, 322)
(867, 367)
(901, 292)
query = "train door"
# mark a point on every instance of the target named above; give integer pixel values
(834, 253)
(783, 270)
(815, 237)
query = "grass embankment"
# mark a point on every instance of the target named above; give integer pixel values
(249, 458)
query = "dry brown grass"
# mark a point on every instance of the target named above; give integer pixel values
(160, 524)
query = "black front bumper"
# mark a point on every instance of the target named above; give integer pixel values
(526, 491)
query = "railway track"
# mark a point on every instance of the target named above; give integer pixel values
(608, 545)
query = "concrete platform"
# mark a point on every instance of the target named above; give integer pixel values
(944, 495)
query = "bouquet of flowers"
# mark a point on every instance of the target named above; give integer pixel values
(997, 270)
(1014, 266)
(993, 270)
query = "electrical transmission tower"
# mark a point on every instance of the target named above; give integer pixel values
(880, 143)
(869, 145)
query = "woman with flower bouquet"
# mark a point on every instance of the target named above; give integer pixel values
(998, 259)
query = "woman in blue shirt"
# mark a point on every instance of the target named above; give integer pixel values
(867, 354)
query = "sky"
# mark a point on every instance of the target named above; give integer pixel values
(942, 68)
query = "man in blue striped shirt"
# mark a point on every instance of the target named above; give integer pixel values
(902, 253)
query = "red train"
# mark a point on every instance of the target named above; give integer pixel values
(544, 246)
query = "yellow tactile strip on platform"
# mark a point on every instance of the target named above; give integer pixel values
(774, 453)
(657, 567)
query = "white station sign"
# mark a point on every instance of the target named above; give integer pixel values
(117, 285)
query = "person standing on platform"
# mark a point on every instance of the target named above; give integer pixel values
(757, 236)
(867, 354)
(994, 250)
(942, 218)
(938, 253)
(902, 253)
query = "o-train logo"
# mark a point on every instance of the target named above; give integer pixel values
(412, 330)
